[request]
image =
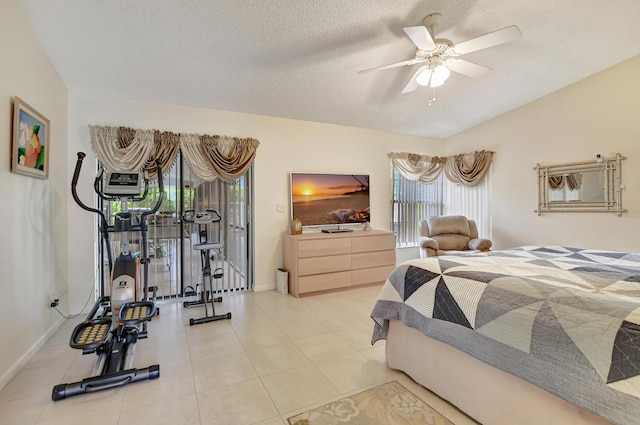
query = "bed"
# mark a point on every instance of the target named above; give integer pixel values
(539, 335)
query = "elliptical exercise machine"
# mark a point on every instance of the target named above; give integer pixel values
(117, 320)
(206, 247)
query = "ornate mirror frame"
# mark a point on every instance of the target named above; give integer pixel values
(611, 180)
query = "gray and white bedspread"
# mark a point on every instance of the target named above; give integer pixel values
(564, 319)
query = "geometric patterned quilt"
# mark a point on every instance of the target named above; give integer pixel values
(564, 319)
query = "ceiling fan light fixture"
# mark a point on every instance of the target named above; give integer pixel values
(424, 77)
(440, 75)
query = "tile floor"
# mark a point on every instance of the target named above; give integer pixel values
(277, 356)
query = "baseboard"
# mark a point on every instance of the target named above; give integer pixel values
(22, 361)
(268, 287)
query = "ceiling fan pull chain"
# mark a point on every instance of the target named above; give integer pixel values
(433, 96)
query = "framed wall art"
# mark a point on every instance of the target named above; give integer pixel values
(31, 142)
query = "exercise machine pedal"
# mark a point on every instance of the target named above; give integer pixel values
(91, 334)
(135, 312)
(204, 297)
(189, 292)
(218, 273)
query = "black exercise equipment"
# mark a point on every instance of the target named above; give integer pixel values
(209, 250)
(117, 320)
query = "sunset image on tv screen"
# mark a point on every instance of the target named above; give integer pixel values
(322, 199)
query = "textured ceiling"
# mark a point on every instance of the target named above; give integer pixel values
(299, 58)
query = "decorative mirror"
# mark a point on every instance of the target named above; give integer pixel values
(581, 186)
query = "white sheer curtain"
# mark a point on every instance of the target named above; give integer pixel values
(471, 202)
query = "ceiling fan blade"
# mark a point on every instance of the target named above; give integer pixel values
(467, 68)
(420, 37)
(495, 38)
(391, 65)
(412, 85)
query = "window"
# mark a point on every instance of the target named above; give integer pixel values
(412, 202)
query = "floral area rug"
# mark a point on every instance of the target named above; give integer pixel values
(387, 404)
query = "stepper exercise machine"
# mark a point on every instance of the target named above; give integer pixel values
(209, 250)
(117, 320)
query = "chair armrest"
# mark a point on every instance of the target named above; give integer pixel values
(428, 247)
(480, 244)
(425, 243)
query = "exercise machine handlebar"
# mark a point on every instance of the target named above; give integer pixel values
(76, 176)
(158, 204)
(74, 184)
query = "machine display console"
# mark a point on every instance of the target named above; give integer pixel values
(123, 184)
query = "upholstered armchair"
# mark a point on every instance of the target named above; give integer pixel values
(453, 234)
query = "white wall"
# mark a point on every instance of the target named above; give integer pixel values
(600, 114)
(285, 146)
(33, 252)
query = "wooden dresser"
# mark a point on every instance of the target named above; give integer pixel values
(321, 262)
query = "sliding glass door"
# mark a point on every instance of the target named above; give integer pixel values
(234, 203)
(174, 266)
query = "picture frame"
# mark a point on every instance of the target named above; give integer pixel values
(30, 141)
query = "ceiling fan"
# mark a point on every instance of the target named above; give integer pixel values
(438, 56)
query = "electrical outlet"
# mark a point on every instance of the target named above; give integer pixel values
(54, 299)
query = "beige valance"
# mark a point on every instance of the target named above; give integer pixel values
(416, 167)
(208, 157)
(467, 169)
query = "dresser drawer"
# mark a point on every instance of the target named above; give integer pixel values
(321, 247)
(372, 259)
(370, 275)
(315, 265)
(322, 282)
(373, 243)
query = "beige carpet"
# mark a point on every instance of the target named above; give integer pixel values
(387, 404)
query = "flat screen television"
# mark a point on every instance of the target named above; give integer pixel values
(330, 199)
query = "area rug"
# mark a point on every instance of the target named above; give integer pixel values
(387, 404)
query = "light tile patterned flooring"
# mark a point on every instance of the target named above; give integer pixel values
(278, 356)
